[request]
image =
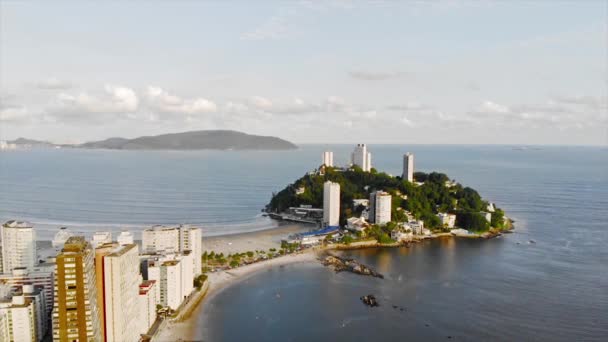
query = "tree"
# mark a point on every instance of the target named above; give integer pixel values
(472, 221)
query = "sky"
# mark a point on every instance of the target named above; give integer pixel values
(398, 72)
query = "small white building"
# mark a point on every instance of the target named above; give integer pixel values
(99, 238)
(125, 238)
(356, 224)
(401, 234)
(447, 220)
(488, 216)
(417, 226)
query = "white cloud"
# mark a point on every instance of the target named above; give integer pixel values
(260, 102)
(491, 107)
(116, 100)
(14, 114)
(160, 100)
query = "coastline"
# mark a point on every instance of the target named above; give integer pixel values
(187, 329)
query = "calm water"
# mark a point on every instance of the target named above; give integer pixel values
(503, 289)
(556, 289)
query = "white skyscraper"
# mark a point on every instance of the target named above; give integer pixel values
(328, 158)
(18, 245)
(331, 204)
(121, 280)
(408, 167)
(362, 158)
(380, 207)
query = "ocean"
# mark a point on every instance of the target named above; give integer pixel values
(509, 288)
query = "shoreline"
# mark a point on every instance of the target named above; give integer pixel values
(187, 329)
(219, 281)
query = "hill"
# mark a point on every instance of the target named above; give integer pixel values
(423, 201)
(195, 140)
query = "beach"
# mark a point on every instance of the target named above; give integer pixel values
(261, 240)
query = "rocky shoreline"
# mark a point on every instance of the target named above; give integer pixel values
(339, 264)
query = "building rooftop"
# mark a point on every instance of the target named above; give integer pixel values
(120, 250)
(75, 244)
(17, 224)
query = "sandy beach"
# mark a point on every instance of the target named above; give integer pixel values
(259, 240)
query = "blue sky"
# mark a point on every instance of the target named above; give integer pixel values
(484, 72)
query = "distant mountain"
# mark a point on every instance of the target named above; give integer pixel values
(195, 140)
(111, 143)
(30, 142)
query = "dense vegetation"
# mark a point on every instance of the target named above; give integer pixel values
(423, 201)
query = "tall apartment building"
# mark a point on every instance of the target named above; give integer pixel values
(331, 204)
(361, 157)
(18, 320)
(408, 167)
(147, 304)
(328, 158)
(174, 277)
(38, 277)
(121, 293)
(380, 203)
(75, 313)
(174, 239)
(100, 253)
(18, 245)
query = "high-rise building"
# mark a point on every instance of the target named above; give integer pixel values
(121, 293)
(18, 319)
(36, 295)
(125, 238)
(362, 158)
(408, 167)
(37, 277)
(147, 304)
(18, 245)
(100, 253)
(174, 277)
(99, 238)
(175, 239)
(161, 239)
(331, 204)
(380, 207)
(75, 313)
(328, 158)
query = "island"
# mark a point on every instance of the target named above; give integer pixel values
(193, 140)
(431, 205)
